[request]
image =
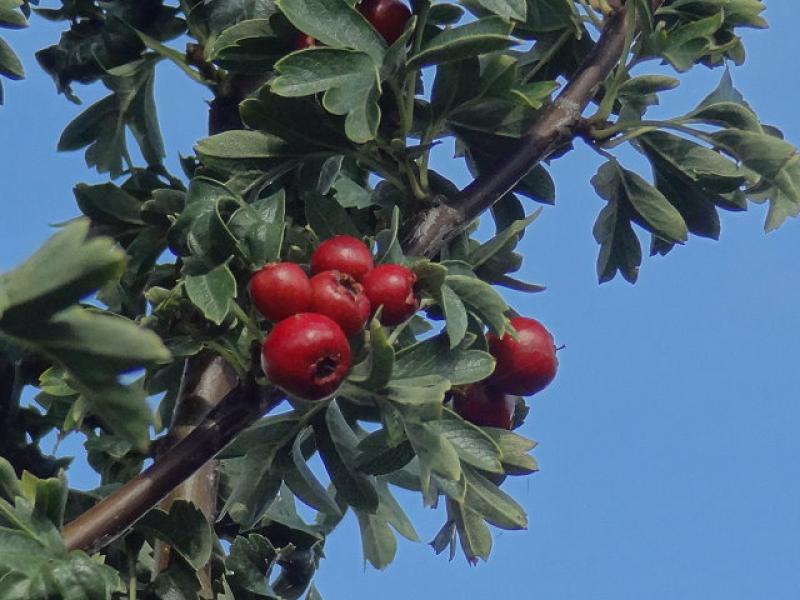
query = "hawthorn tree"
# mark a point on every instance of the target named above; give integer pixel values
(135, 325)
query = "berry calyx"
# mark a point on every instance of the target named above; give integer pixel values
(392, 286)
(526, 365)
(303, 40)
(485, 406)
(280, 290)
(338, 296)
(388, 17)
(306, 355)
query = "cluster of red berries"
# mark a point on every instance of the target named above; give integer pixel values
(307, 352)
(388, 17)
(524, 366)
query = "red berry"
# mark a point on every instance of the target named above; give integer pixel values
(302, 41)
(392, 286)
(307, 355)
(280, 290)
(527, 365)
(485, 406)
(342, 253)
(388, 17)
(340, 297)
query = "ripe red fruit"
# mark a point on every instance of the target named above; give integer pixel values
(388, 17)
(392, 286)
(307, 355)
(342, 253)
(485, 406)
(280, 290)
(527, 365)
(340, 297)
(303, 40)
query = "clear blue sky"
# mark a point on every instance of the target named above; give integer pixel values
(669, 441)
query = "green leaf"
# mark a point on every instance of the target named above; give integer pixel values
(184, 528)
(11, 16)
(434, 451)
(337, 448)
(248, 564)
(93, 345)
(455, 314)
(212, 293)
(102, 126)
(494, 505)
(274, 430)
(535, 94)
(770, 157)
(620, 249)
(393, 513)
(473, 445)
(242, 145)
(177, 58)
(327, 217)
(483, 298)
(10, 65)
(655, 212)
(301, 480)
(433, 359)
(644, 85)
(260, 228)
(256, 486)
(488, 249)
(474, 535)
(49, 497)
(107, 203)
(508, 9)
(377, 540)
(335, 23)
(381, 357)
(67, 268)
(514, 451)
(350, 82)
(708, 168)
(379, 456)
(479, 37)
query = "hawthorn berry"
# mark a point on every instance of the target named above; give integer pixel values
(338, 296)
(526, 365)
(342, 253)
(280, 290)
(393, 287)
(303, 40)
(388, 17)
(306, 355)
(485, 406)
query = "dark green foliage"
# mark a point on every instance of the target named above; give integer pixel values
(335, 139)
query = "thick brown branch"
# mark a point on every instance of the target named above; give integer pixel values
(109, 518)
(438, 225)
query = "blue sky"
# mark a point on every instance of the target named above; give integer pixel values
(668, 442)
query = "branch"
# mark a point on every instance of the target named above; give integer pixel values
(436, 226)
(205, 382)
(105, 521)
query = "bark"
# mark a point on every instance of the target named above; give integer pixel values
(206, 380)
